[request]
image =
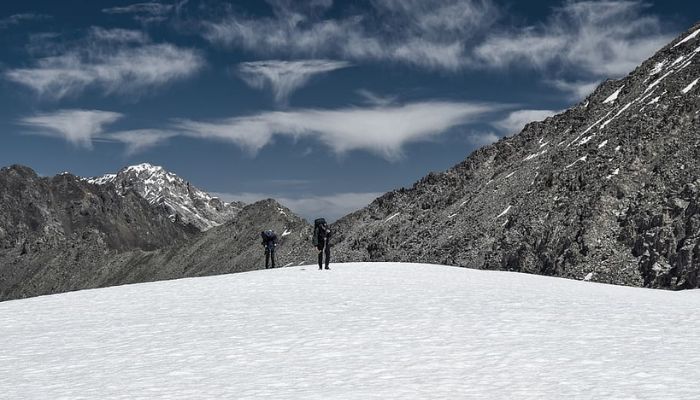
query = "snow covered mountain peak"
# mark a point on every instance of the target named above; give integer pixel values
(145, 167)
(180, 200)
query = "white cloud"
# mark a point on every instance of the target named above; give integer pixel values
(78, 127)
(516, 120)
(146, 12)
(331, 207)
(19, 18)
(599, 38)
(117, 35)
(425, 34)
(380, 130)
(483, 138)
(139, 140)
(374, 99)
(285, 77)
(577, 89)
(108, 66)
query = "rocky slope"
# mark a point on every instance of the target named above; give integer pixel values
(64, 233)
(607, 191)
(232, 247)
(55, 232)
(178, 199)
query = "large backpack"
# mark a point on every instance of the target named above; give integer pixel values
(319, 223)
(268, 235)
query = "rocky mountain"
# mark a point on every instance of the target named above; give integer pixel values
(178, 199)
(235, 246)
(607, 191)
(65, 233)
(54, 231)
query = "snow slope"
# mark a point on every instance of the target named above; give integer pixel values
(358, 331)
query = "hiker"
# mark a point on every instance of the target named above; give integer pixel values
(321, 238)
(269, 240)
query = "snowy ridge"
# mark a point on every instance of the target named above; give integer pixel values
(436, 332)
(178, 198)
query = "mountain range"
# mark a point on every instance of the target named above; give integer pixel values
(177, 198)
(606, 191)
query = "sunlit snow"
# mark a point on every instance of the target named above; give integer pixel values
(613, 96)
(358, 331)
(392, 217)
(504, 212)
(690, 86)
(687, 38)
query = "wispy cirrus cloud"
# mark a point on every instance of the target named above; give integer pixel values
(110, 60)
(285, 77)
(375, 99)
(590, 39)
(480, 139)
(78, 127)
(147, 12)
(576, 90)
(578, 45)
(117, 35)
(380, 130)
(83, 127)
(16, 19)
(139, 140)
(430, 35)
(515, 121)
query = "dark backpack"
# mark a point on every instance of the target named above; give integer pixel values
(320, 231)
(268, 235)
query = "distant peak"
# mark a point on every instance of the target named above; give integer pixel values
(143, 167)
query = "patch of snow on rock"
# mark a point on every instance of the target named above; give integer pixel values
(687, 38)
(690, 86)
(392, 217)
(504, 212)
(613, 96)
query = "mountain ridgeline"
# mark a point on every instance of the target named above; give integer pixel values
(68, 233)
(607, 191)
(178, 199)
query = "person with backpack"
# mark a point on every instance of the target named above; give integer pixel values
(269, 240)
(320, 239)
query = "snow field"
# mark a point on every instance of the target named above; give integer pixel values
(359, 331)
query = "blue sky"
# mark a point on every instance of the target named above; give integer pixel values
(322, 104)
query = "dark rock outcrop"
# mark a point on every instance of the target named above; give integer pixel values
(606, 191)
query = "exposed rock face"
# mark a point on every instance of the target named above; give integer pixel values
(232, 247)
(178, 199)
(54, 232)
(64, 233)
(608, 190)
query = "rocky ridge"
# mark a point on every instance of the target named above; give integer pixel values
(55, 231)
(175, 197)
(607, 191)
(65, 233)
